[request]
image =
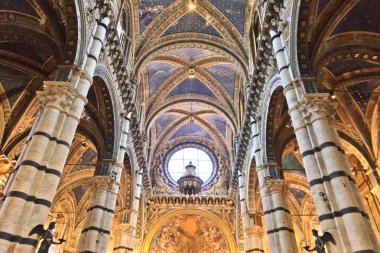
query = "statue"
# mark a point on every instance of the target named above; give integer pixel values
(320, 241)
(47, 236)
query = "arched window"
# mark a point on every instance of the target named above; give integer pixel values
(182, 157)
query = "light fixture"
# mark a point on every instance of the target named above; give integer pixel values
(83, 145)
(192, 5)
(332, 94)
(191, 73)
(296, 150)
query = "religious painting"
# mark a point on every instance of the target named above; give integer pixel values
(189, 234)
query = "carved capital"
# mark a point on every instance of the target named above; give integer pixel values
(255, 230)
(105, 182)
(317, 106)
(273, 186)
(123, 229)
(59, 95)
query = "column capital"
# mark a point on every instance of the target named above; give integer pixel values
(123, 228)
(317, 106)
(105, 182)
(59, 95)
(272, 186)
(254, 230)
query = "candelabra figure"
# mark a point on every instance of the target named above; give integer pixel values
(320, 241)
(47, 237)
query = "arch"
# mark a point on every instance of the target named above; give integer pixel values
(183, 40)
(189, 211)
(274, 87)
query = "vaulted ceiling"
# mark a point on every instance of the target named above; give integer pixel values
(192, 57)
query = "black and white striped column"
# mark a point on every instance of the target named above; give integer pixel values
(273, 192)
(28, 198)
(336, 197)
(96, 229)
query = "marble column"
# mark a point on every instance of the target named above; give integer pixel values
(29, 196)
(253, 239)
(273, 191)
(97, 226)
(251, 243)
(335, 194)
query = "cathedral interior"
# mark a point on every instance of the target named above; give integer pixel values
(189, 126)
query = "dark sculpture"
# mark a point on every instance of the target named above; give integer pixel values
(320, 241)
(47, 236)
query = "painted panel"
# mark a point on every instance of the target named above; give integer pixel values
(189, 234)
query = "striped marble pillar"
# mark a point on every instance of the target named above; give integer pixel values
(123, 242)
(335, 194)
(28, 198)
(273, 191)
(243, 210)
(96, 229)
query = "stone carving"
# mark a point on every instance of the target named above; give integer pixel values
(57, 94)
(314, 107)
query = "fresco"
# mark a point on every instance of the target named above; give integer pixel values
(189, 234)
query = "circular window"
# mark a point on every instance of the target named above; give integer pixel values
(199, 158)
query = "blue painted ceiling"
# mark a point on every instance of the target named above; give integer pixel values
(191, 129)
(149, 9)
(225, 74)
(234, 10)
(191, 85)
(192, 54)
(364, 16)
(219, 122)
(157, 73)
(163, 121)
(192, 22)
